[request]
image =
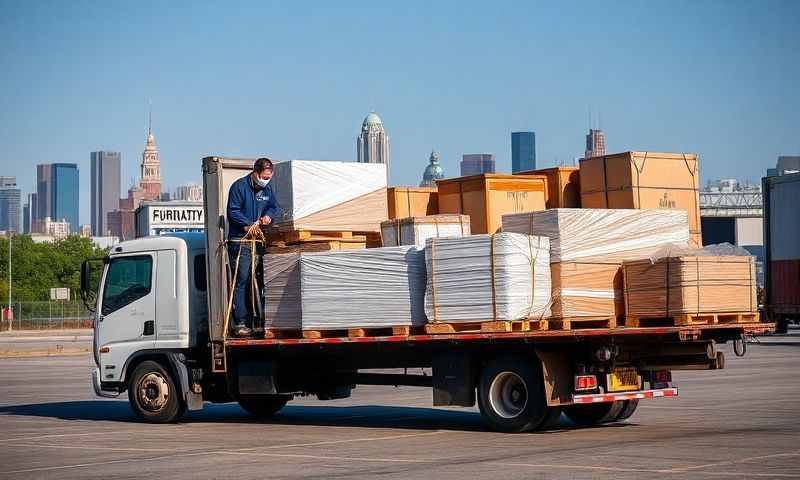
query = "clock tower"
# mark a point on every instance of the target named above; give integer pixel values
(150, 181)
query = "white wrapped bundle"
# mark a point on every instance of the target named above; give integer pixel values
(370, 288)
(416, 230)
(326, 195)
(615, 235)
(505, 276)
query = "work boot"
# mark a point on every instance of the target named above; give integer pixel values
(241, 331)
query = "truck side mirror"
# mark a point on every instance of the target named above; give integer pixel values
(88, 286)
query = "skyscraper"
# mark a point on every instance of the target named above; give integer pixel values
(105, 193)
(433, 171)
(65, 192)
(44, 192)
(9, 204)
(595, 143)
(523, 151)
(373, 144)
(190, 192)
(29, 212)
(477, 163)
(150, 180)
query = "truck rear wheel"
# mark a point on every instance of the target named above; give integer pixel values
(153, 395)
(262, 406)
(511, 395)
(594, 413)
(628, 408)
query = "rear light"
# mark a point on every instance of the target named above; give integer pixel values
(662, 376)
(585, 382)
(104, 349)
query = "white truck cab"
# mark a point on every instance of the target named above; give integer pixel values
(151, 310)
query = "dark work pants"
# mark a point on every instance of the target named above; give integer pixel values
(243, 301)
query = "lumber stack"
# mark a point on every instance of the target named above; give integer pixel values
(416, 230)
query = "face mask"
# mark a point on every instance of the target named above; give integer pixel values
(261, 182)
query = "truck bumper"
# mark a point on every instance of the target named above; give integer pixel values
(615, 397)
(98, 386)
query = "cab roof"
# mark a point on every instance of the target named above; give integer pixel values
(171, 241)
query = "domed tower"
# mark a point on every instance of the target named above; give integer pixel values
(433, 171)
(150, 180)
(373, 144)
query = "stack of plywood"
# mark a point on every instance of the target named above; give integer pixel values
(412, 201)
(415, 230)
(563, 186)
(487, 197)
(369, 288)
(587, 248)
(694, 284)
(644, 180)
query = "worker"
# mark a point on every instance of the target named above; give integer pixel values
(251, 205)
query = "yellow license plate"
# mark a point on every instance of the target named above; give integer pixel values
(623, 379)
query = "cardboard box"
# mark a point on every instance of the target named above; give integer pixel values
(412, 201)
(643, 180)
(487, 197)
(563, 186)
(415, 230)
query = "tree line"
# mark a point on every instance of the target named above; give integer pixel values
(38, 267)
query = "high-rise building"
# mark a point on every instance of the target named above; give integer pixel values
(523, 151)
(9, 204)
(191, 192)
(44, 192)
(29, 212)
(105, 178)
(433, 171)
(65, 191)
(53, 228)
(373, 144)
(86, 231)
(788, 164)
(595, 143)
(477, 163)
(150, 180)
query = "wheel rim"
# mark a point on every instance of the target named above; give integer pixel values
(508, 395)
(152, 392)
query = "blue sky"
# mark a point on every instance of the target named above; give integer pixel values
(295, 80)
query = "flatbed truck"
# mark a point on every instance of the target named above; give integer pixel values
(160, 309)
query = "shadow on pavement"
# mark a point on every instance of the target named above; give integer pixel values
(361, 416)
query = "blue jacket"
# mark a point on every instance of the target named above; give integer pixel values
(246, 206)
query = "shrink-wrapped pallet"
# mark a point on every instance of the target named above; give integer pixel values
(481, 278)
(587, 247)
(690, 282)
(416, 230)
(330, 196)
(370, 288)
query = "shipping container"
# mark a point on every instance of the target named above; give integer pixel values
(412, 202)
(563, 186)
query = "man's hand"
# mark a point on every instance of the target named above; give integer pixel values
(253, 229)
(265, 220)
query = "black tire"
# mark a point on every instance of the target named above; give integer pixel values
(551, 419)
(153, 395)
(628, 408)
(782, 326)
(511, 395)
(262, 406)
(594, 413)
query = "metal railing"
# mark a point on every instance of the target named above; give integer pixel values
(48, 315)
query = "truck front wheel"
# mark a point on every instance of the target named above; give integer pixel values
(511, 395)
(594, 413)
(153, 394)
(262, 406)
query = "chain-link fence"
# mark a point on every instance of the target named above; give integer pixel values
(48, 315)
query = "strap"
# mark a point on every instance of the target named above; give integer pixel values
(533, 274)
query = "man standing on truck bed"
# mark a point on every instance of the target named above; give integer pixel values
(251, 204)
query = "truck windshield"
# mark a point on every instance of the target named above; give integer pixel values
(128, 279)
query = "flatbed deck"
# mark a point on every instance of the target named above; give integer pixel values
(683, 332)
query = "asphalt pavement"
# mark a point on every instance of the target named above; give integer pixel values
(741, 422)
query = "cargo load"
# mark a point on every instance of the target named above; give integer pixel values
(487, 197)
(587, 247)
(690, 281)
(369, 288)
(415, 230)
(484, 278)
(330, 196)
(563, 186)
(643, 180)
(412, 201)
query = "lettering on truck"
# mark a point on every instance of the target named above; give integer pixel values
(178, 215)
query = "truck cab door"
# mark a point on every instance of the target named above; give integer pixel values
(126, 313)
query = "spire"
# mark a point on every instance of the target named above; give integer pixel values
(150, 120)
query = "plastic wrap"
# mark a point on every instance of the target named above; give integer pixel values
(326, 195)
(716, 250)
(416, 230)
(505, 276)
(608, 235)
(586, 289)
(370, 288)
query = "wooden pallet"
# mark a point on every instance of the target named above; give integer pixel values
(486, 327)
(314, 245)
(402, 331)
(578, 323)
(688, 319)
